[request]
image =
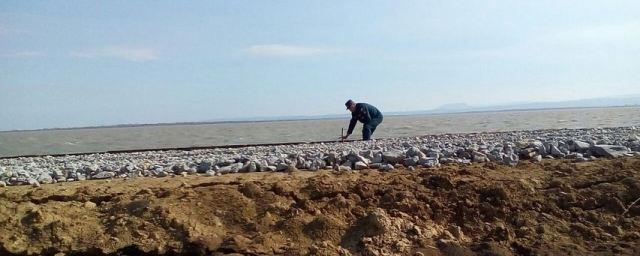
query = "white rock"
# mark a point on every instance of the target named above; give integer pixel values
(377, 158)
(271, 168)
(344, 168)
(361, 166)
(479, 157)
(282, 167)
(45, 178)
(104, 175)
(576, 145)
(609, 150)
(429, 162)
(411, 161)
(537, 158)
(555, 151)
(34, 183)
(393, 157)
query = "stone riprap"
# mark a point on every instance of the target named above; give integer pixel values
(383, 154)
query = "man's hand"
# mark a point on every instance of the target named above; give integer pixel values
(343, 138)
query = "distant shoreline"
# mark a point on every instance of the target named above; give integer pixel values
(270, 144)
(310, 118)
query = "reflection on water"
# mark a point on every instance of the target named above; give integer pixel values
(102, 139)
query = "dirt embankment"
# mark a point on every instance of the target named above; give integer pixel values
(549, 208)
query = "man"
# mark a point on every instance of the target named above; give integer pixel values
(369, 115)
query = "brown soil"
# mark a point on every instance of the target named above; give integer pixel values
(549, 208)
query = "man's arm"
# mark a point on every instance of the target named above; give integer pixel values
(352, 124)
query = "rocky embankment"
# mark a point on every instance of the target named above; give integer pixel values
(384, 154)
(555, 207)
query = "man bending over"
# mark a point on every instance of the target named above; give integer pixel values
(368, 115)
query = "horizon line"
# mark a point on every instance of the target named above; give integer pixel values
(265, 119)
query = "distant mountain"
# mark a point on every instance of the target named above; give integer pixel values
(461, 107)
(618, 101)
(453, 107)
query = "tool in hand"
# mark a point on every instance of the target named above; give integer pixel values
(341, 139)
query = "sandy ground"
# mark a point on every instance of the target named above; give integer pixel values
(551, 208)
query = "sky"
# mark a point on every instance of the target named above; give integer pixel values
(87, 63)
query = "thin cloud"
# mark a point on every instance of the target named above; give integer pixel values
(4, 31)
(618, 33)
(7, 31)
(21, 54)
(283, 50)
(582, 42)
(134, 54)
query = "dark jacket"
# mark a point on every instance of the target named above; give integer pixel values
(366, 114)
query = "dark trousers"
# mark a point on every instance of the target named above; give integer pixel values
(370, 127)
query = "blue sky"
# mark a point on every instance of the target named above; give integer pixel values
(84, 63)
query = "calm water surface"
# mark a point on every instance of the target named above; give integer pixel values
(102, 139)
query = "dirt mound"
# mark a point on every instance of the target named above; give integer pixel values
(551, 208)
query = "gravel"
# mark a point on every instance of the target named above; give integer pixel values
(384, 154)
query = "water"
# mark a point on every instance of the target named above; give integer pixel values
(103, 139)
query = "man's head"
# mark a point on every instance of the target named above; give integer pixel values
(351, 105)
